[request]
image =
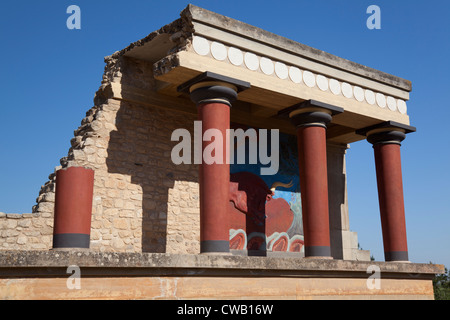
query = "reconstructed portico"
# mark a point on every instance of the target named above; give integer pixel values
(178, 227)
(302, 91)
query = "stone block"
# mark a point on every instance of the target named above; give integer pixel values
(14, 216)
(362, 255)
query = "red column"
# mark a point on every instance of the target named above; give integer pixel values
(213, 95)
(390, 195)
(312, 160)
(73, 207)
(214, 180)
(311, 119)
(386, 139)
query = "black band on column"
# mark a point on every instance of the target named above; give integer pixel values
(214, 246)
(71, 240)
(317, 251)
(396, 256)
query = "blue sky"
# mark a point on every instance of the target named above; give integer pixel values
(49, 75)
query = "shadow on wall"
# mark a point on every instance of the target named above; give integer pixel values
(140, 149)
(161, 193)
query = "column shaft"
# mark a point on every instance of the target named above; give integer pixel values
(390, 195)
(213, 94)
(214, 182)
(73, 207)
(314, 189)
(311, 118)
(386, 138)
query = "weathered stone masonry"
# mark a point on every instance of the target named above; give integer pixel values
(142, 202)
(147, 219)
(140, 196)
(26, 231)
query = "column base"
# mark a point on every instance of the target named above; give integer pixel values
(318, 252)
(396, 256)
(215, 246)
(71, 240)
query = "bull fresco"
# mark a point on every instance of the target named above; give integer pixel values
(265, 211)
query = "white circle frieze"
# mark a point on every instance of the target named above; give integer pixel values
(381, 100)
(370, 96)
(251, 61)
(401, 105)
(235, 56)
(218, 51)
(281, 70)
(309, 79)
(266, 66)
(201, 46)
(347, 90)
(295, 74)
(269, 67)
(391, 103)
(358, 92)
(322, 82)
(335, 87)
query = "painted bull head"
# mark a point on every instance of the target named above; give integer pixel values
(252, 207)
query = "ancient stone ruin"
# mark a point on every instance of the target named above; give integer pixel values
(118, 192)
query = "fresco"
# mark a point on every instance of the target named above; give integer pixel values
(265, 211)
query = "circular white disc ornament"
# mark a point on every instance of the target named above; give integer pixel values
(401, 105)
(251, 61)
(201, 46)
(309, 79)
(322, 82)
(295, 74)
(370, 97)
(266, 66)
(335, 87)
(347, 90)
(358, 93)
(281, 70)
(381, 100)
(218, 51)
(235, 56)
(391, 103)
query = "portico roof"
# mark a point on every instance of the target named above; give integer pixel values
(282, 73)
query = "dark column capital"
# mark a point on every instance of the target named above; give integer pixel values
(210, 87)
(311, 113)
(388, 132)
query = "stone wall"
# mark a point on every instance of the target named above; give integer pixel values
(44, 275)
(31, 231)
(25, 231)
(142, 201)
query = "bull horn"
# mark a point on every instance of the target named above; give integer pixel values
(281, 184)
